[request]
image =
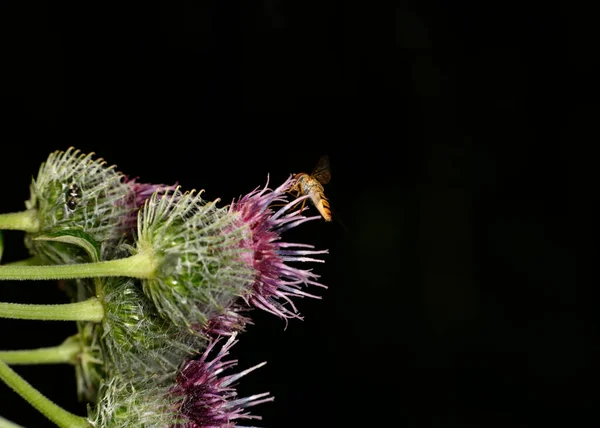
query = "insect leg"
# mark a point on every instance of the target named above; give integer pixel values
(302, 207)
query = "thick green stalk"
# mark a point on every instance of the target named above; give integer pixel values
(63, 353)
(141, 265)
(26, 221)
(40, 402)
(88, 310)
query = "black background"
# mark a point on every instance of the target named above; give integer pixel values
(461, 283)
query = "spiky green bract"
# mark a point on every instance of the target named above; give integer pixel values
(196, 244)
(144, 403)
(137, 341)
(75, 192)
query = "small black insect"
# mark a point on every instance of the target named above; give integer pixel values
(73, 196)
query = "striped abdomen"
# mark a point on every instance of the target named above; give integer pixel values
(310, 186)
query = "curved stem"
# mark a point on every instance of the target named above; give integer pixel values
(5, 423)
(40, 402)
(26, 221)
(88, 310)
(140, 265)
(63, 353)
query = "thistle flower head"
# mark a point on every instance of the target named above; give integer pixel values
(75, 192)
(199, 396)
(275, 281)
(135, 339)
(209, 398)
(196, 244)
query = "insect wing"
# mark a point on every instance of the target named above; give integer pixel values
(322, 173)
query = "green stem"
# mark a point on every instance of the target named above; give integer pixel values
(5, 423)
(26, 221)
(141, 265)
(40, 402)
(88, 310)
(63, 353)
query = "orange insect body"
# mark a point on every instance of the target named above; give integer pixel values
(312, 185)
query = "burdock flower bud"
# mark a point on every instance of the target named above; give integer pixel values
(199, 270)
(200, 395)
(136, 340)
(275, 280)
(74, 194)
(132, 340)
(212, 256)
(218, 255)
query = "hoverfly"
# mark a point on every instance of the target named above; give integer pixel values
(312, 185)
